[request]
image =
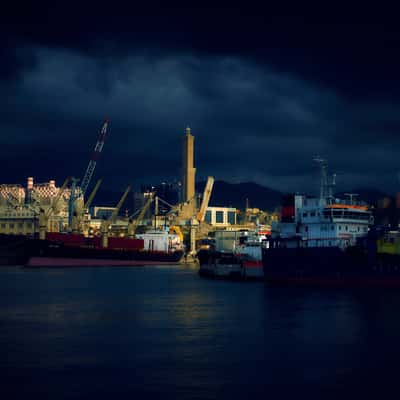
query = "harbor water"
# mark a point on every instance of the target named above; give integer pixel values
(164, 332)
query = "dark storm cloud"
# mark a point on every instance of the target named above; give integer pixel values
(264, 92)
(251, 123)
(346, 48)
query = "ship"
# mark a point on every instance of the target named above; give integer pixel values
(235, 255)
(325, 241)
(69, 250)
(293, 262)
(249, 253)
(220, 265)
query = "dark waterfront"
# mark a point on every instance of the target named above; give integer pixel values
(166, 333)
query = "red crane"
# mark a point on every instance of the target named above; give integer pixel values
(92, 163)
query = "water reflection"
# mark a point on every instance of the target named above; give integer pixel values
(166, 332)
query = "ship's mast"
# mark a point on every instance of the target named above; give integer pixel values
(331, 186)
(326, 185)
(324, 177)
(351, 196)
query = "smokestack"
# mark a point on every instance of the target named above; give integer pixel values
(29, 183)
(29, 188)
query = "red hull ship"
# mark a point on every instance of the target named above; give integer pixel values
(72, 250)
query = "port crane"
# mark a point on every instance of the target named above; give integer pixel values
(105, 225)
(91, 197)
(87, 177)
(13, 201)
(133, 224)
(206, 199)
(81, 209)
(92, 163)
(114, 214)
(44, 215)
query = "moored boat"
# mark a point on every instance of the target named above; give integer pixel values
(215, 264)
(330, 242)
(235, 255)
(68, 250)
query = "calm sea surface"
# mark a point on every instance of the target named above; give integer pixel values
(163, 332)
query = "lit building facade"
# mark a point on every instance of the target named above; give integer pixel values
(221, 216)
(20, 207)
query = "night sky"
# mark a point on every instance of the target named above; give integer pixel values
(264, 90)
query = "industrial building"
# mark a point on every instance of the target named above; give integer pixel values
(20, 206)
(221, 216)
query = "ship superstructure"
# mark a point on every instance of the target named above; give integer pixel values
(324, 221)
(318, 222)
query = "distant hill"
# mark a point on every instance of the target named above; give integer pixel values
(223, 194)
(235, 195)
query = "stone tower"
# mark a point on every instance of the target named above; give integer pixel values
(188, 169)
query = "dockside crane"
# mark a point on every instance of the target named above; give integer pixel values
(13, 201)
(105, 225)
(80, 209)
(92, 163)
(92, 195)
(114, 214)
(44, 215)
(206, 199)
(87, 177)
(71, 203)
(133, 224)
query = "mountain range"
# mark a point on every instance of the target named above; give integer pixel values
(238, 195)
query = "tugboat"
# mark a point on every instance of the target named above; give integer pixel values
(236, 255)
(216, 264)
(219, 260)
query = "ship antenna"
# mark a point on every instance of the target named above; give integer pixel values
(331, 187)
(323, 191)
(351, 195)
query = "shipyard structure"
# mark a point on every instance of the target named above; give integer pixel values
(21, 206)
(66, 229)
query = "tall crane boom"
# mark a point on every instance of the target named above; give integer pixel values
(119, 205)
(91, 197)
(134, 224)
(57, 198)
(206, 198)
(92, 163)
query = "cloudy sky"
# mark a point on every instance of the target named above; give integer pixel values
(264, 91)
